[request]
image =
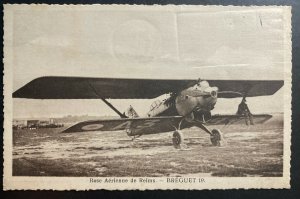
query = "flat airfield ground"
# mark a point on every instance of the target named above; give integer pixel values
(249, 151)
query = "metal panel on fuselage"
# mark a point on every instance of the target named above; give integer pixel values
(163, 110)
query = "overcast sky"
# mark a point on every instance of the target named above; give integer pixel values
(167, 43)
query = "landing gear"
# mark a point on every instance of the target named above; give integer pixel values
(177, 139)
(216, 137)
(135, 137)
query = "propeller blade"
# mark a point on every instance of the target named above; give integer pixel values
(229, 94)
(199, 94)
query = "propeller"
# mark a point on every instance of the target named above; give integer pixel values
(229, 94)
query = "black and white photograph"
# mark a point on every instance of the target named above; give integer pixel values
(146, 97)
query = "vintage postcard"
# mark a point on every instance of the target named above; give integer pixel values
(124, 97)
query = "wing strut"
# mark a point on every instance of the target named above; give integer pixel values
(113, 108)
(107, 103)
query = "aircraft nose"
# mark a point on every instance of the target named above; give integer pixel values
(214, 93)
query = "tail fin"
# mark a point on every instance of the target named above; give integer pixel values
(131, 113)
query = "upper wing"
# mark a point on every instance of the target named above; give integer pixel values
(251, 88)
(94, 88)
(135, 125)
(112, 88)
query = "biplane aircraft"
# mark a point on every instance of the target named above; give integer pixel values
(189, 102)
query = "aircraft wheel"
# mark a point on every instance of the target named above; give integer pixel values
(216, 137)
(177, 139)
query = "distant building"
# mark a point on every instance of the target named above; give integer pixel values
(45, 123)
(19, 124)
(32, 123)
(37, 123)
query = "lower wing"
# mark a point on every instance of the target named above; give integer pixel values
(153, 125)
(238, 119)
(134, 126)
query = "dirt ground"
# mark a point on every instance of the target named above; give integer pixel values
(249, 151)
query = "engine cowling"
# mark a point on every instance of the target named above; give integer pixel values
(185, 104)
(200, 98)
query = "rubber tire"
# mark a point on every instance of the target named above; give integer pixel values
(216, 137)
(177, 139)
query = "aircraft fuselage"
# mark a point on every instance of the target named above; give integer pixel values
(195, 101)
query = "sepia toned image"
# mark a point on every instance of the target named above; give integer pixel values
(146, 97)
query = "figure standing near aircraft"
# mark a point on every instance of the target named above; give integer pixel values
(244, 110)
